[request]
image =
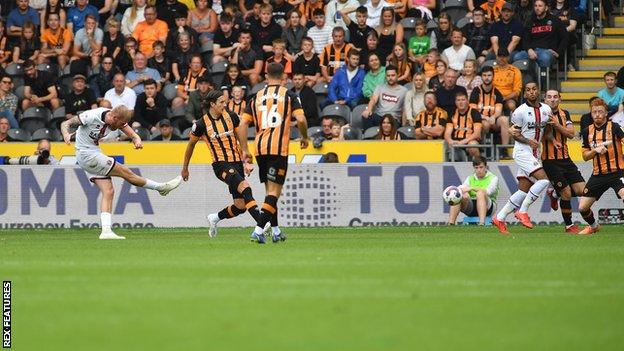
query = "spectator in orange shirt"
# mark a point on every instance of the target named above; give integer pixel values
(150, 30)
(55, 42)
(508, 80)
(492, 10)
(279, 49)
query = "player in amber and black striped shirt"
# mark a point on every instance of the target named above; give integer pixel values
(217, 128)
(271, 111)
(560, 170)
(602, 143)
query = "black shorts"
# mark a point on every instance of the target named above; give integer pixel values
(272, 168)
(471, 211)
(598, 184)
(562, 173)
(221, 170)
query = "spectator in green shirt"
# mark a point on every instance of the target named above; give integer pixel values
(376, 76)
(418, 45)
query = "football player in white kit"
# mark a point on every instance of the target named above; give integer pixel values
(94, 125)
(532, 117)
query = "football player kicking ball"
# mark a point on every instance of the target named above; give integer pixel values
(94, 125)
(602, 143)
(532, 118)
(480, 191)
(271, 110)
(218, 129)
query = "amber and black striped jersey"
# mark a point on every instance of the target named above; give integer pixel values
(431, 119)
(237, 108)
(333, 58)
(464, 123)
(271, 110)
(486, 102)
(190, 81)
(612, 160)
(219, 135)
(549, 151)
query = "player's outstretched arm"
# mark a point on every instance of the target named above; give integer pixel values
(241, 135)
(136, 139)
(74, 121)
(190, 147)
(302, 124)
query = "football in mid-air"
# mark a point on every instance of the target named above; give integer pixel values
(452, 195)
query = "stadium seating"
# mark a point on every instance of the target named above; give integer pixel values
(58, 116)
(352, 133)
(371, 133)
(356, 116)
(170, 91)
(34, 118)
(19, 135)
(337, 111)
(186, 134)
(44, 133)
(314, 130)
(407, 132)
(143, 133)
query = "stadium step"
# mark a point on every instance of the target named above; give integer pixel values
(577, 96)
(575, 107)
(586, 74)
(609, 42)
(582, 86)
(613, 31)
(606, 52)
(601, 64)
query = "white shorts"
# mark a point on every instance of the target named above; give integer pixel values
(96, 164)
(527, 165)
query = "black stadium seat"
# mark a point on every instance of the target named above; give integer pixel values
(143, 133)
(407, 132)
(14, 69)
(58, 116)
(18, 135)
(43, 133)
(314, 130)
(356, 116)
(371, 133)
(34, 118)
(337, 111)
(352, 133)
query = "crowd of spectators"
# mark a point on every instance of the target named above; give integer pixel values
(400, 63)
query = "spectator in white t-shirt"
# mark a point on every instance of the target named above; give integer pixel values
(321, 33)
(458, 52)
(120, 94)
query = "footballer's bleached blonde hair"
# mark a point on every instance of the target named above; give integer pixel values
(123, 112)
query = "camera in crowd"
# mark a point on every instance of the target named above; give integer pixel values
(40, 159)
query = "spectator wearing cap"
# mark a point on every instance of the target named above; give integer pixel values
(169, 10)
(193, 110)
(506, 33)
(150, 106)
(546, 39)
(179, 28)
(150, 30)
(120, 94)
(166, 131)
(39, 88)
(81, 97)
(8, 101)
(18, 16)
(508, 80)
(77, 15)
(140, 74)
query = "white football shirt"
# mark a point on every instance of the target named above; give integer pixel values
(91, 129)
(531, 121)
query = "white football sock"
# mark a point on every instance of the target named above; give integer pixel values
(514, 202)
(276, 230)
(534, 193)
(259, 230)
(106, 220)
(150, 184)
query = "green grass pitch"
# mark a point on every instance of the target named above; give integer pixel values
(442, 288)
